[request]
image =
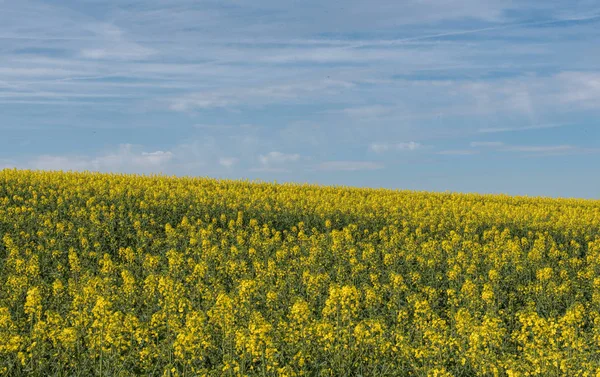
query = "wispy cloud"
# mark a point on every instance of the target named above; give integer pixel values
(195, 156)
(228, 162)
(549, 149)
(249, 96)
(126, 158)
(276, 162)
(275, 158)
(562, 149)
(348, 166)
(112, 44)
(582, 88)
(405, 146)
(523, 128)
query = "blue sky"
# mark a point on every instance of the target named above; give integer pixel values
(472, 96)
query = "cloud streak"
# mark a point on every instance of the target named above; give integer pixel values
(548, 150)
(562, 149)
(348, 166)
(405, 146)
(258, 95)
(523, 128)
(228, 162)
(277, 158)
(125, 159)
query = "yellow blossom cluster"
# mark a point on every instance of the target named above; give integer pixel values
(110, 274)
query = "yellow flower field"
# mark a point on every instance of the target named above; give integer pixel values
(119, 275)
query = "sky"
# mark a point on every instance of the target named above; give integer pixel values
(497, 96)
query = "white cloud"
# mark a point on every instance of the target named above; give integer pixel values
(536, 149)
(582, 88)
(154, 158)
(258, 95)
(348, 166)
(405, 146)
(126, 158)
(522, 128)
(379, 147)
(112, 44)
(228, 162)
(275, 162)
(277, 158)
(202, 101)
(121, 52)
(549, 149)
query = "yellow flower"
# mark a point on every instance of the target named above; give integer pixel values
(33, 303)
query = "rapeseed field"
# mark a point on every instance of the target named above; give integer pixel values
(122, 275)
